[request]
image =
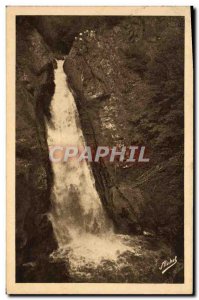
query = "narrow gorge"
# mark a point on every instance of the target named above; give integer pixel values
(100, 81)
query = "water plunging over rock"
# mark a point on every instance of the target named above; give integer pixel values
(84, 233)
(78, 218)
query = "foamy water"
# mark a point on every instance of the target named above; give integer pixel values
(85, 235)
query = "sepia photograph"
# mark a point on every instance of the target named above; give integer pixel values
(100, 136)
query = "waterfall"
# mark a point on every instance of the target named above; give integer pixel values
(81, 227)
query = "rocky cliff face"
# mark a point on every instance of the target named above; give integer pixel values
(34, 89)
(128, 86)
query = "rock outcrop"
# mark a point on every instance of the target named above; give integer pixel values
(128, 88)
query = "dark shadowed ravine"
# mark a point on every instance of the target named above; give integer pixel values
(99, 81)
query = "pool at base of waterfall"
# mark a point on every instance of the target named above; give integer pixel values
(119, 258)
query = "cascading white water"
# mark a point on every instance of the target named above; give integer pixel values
(80, 224)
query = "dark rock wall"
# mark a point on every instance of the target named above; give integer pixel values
(128, 84)
(59, 31)
(34, 89)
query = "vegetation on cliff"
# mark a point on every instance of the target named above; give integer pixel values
(128, 81)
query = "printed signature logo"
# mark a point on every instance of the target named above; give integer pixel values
(167, 264)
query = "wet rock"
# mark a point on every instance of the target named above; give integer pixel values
(35, 87)
(43, 271)
(99, 96)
